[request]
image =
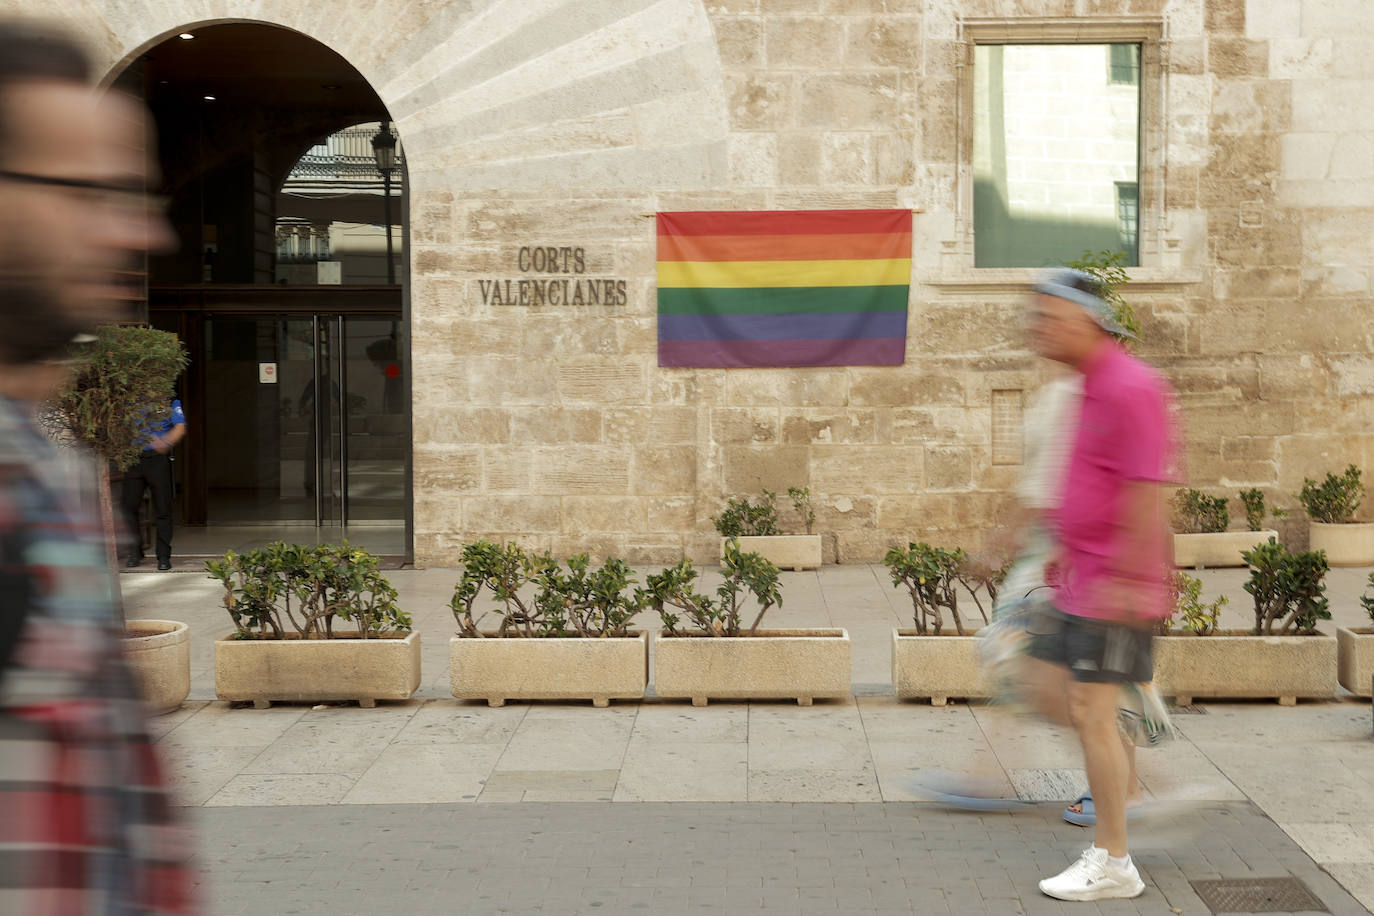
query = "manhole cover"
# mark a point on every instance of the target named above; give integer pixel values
(1258, 895)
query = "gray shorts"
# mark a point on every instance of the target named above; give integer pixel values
(1094, 651)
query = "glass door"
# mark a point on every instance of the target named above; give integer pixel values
(305, 421)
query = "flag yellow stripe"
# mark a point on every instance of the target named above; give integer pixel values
(751, 274)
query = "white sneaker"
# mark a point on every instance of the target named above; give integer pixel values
(1094, 877)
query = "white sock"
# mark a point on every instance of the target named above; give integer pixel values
(1123, 862)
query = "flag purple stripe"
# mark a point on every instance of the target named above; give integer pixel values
(729, 354)
(814, 326)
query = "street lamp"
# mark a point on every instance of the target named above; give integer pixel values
(384, 151)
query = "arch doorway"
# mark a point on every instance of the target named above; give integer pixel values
(287, 193)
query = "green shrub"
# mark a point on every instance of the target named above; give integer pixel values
(121, 386)
(571, 600)
(1197, 513)
(1109, 269)
(801, 502)
(303, 587)
(1253, 500)
(1335, 499)
(745, 575)
(741, 518)
(932, 576)
(1198, 618)
(1288, 588)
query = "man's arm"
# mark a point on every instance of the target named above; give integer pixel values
(163, 443)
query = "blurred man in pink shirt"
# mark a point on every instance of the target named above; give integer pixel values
(1111, 572)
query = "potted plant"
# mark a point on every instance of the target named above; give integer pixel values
(1283, 656)
(928, 661)
(570, 639)
(755, 526)
(705, 651)
(284, 600)
(1330, 507)
(1201, 537)
(1355, 668)
(121, 382)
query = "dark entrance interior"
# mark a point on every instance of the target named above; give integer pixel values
(294, 315)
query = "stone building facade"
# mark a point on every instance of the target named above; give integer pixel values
(565, 125)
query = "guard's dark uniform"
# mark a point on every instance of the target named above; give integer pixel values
(154, 471)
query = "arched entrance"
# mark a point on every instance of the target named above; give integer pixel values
(289, 288)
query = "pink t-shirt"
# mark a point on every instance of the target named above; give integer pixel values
(1124, 434)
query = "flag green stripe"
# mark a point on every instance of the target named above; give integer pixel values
(782, 300)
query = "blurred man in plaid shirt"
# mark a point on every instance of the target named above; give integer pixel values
(84, 816)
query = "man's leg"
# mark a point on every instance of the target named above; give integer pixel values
(130, 499)
(158, 471)
(1092, 706)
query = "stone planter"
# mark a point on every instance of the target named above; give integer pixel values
(1221, 548)
(1350, 544)
(785, 551)
(1238, 665)
(1355, 665)
(315, 670)
(158, 653)
(937, 668)
(514, 668)
(775, 664)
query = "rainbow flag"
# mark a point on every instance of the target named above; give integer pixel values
(783, 288)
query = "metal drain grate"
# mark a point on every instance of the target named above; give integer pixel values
(1258, 895)
(1194, 710)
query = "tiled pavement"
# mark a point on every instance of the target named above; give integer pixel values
(746, 858)
(655, 806)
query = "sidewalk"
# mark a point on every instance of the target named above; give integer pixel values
(1251, 789)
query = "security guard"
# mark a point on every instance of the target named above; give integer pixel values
(154, 471)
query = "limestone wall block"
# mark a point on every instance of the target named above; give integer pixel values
(793, 388)
(1332, 17)
(599, 383)
(508, 468)
(1247, 473)
(868, 469)
(670, 513)
(848, 159)
(740, 42)
(862, 546)
(458, 469)
(1300, 58)
(1352, 55)
(951, 467)
(598, 547)
(917, 512)
(1251, 105)
(1332, 238)
(539, 425)
(664, 425)
(507, 382)
(895, 158)
(735, 425)
(443, 425)
(1273, 18)
(457, 340)
(886, 41)
(1290, 376)
(574, 469)
(847, 100)
(1225, 16)
(699, 387)
(441, 510)
(799, 158)
(1250, 418)
(1352, 374)
(1314, 456)
(837, 513)
(760, 100)
(1229, 58)
(603, 514)
(574, 219)
(1325, 325)
(883, 388)
(839, 199)
(1249, 448)
(753, 160)
(1328, 282)
(801, 43)
(522, 512)
(1257, 283)
(751, 468)
(1321, 104)
(546, 335)
(664, 470)
(1188, 56)
(806, 427)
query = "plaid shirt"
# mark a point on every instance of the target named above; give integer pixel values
(86, 825)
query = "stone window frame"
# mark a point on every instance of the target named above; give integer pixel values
(1148, 32)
